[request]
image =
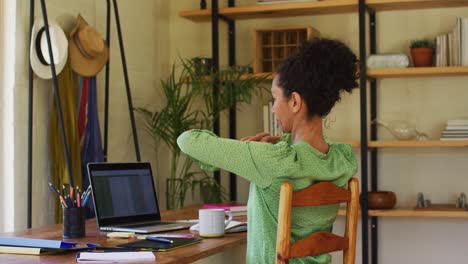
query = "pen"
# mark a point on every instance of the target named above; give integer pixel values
(86, 192)
(159, 239)
(85, 200)
(71, 193)
(68, 201)
(62, 201)
(78, 198)
(52, 187)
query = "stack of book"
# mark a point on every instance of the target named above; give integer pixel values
(456, 129)
(452, 48)
(32, 246)
(237, 209)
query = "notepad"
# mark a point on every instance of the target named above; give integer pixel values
(114, 257)
(232, 227)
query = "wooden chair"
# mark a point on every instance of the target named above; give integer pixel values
(321, 242)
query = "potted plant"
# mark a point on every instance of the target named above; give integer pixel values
(422, 52)
(179, 114)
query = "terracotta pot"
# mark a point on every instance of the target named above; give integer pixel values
(422, 57)
(381, 200)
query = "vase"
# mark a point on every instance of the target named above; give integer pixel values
(402, 130)
(422, 57)
(381, 200)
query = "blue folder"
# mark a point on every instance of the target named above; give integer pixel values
(43, 243)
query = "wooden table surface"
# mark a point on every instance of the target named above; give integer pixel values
(207, 247)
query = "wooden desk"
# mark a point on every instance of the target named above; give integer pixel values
(188, 254)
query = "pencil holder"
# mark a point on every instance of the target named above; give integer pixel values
(74, 222)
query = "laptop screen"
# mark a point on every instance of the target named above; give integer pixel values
(123, 193)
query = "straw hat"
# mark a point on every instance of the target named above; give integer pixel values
(88, 51)
(39, 50)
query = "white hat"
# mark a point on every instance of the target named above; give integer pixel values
(39, 51)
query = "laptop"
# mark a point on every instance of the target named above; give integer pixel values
(125, 198)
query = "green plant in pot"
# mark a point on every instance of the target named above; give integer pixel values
(422, 52)
(179, 114)
(165, 125)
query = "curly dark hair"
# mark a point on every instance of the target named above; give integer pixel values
(318, 72)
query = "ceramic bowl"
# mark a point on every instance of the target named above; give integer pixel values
(381, 200)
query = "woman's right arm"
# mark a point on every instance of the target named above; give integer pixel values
(252, 160)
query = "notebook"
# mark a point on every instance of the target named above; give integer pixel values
(125, 198)
(32, 246)
(114, 257)
(158, 246)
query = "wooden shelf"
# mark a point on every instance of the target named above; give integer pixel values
(408, 212)
(417, 72)
(275, 10)
(418, 144)
(409, 144)
(382, 5)
(315, 8)
(410, 72)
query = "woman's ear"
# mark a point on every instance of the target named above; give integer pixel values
(295, 103)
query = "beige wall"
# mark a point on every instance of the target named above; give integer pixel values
(437, 172)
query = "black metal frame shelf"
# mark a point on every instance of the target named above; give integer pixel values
(370, 7)
(58, 101)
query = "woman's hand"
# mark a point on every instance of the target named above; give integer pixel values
(262, 137)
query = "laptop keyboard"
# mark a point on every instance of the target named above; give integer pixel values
(148, 224)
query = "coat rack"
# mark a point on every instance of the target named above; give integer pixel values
(58, 102)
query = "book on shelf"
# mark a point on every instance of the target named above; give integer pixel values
(453, 138)
(270, 123)
(266, 118)
(451, 49)
(455, 131)
(456, 128)
(457, 122)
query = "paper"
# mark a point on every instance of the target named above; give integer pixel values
(105, 257)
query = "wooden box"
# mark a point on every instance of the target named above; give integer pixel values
(272, 46)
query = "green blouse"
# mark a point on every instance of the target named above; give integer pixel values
(266, 166)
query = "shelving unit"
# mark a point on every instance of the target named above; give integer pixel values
(368, 144)
(371, 7)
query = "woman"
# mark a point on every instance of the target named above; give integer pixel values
(305, 88)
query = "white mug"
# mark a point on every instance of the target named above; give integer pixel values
(212, 222)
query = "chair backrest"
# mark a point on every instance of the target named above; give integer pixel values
(320, 242)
